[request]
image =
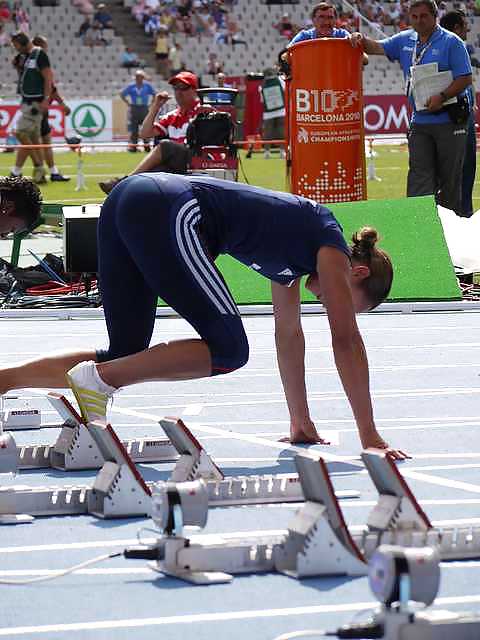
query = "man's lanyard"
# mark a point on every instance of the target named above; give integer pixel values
(417, 57)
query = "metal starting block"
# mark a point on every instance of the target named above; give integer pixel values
(120, 491)
(317, 541)
(398, 519)
(75, 449)
(195, 463)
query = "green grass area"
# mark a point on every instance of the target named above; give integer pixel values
(391, 166)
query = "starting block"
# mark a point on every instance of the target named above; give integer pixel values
(75, 449)
(317, 541)
(195, 463)
(120, 491)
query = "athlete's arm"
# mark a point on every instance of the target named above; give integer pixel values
(290, 344)
(334, 276)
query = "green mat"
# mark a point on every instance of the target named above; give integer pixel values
(412, 234)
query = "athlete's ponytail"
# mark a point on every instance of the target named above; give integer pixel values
(378, 284)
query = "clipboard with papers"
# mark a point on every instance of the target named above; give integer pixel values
(426, 81)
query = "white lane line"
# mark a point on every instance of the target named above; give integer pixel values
(389, 348)
(251, 332)
(442, 482)
(193, 410)
(101, 544)
(281, 446)
(206, 537)
(121, 571)
(327, 396)
(250, 614)
(268, 373)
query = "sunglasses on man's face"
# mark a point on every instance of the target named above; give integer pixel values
(181, 87)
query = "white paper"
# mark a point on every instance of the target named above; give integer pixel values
(429, 82)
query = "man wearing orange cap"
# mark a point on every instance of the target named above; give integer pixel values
(170, 154)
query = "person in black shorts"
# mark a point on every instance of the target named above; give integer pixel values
(45, 128)
(158, 236)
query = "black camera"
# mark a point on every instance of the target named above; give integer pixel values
(34, 111)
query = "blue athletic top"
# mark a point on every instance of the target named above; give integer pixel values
(444, 47)
(311, 34)
(277, 234)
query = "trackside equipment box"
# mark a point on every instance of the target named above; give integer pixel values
(80, 238)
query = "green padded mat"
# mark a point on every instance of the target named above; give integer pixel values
(412, 234)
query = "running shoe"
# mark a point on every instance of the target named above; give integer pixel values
(57, 177)
(91, 392)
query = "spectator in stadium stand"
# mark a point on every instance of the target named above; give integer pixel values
(324, 17)
(45, 130)
(4, 38)
(456, 21)
(129, 59)
(285, 27)
(35, 88)
(21, 19)
(437, 135)
(138, 96)
(102, 19)
(170, 154)
(175, 58)
(162, 48)
(85, 32)
(5, 13)
(214, 66)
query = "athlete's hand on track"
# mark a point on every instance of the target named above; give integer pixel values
(377, 443)
(303, 432)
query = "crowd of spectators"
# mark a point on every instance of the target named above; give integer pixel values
(13, 17)
(163, 19)
(97, 23)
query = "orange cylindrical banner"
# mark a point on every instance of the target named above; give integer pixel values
(325, 121)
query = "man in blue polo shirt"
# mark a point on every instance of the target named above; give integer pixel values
(437, 135)
(138, 96)
(323, 16)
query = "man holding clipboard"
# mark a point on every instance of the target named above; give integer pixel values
(437, 71)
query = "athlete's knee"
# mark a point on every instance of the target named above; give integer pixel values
(231, 356)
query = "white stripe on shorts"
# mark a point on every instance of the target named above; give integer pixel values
(198, 262)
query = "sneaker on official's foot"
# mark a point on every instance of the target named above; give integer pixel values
(91, 392)
(15, 175)
(39, 175)
(107, 186)
(57, 177)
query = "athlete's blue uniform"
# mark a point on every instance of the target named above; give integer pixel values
(159, 234)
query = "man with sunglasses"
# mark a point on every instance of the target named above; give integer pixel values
(170, 154)
(20, 204)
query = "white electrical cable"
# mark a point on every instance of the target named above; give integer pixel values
(63, 572)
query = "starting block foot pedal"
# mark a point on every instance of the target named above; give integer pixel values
(194, 461)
